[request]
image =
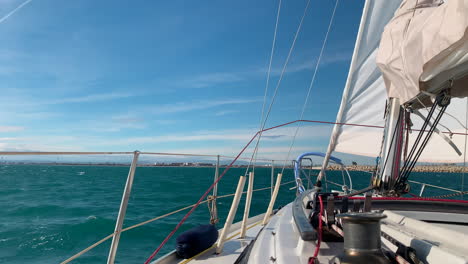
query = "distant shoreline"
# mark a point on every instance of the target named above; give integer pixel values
(128, 165)
(419, 168)
(367, 168)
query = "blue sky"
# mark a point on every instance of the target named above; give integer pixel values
(166, 76)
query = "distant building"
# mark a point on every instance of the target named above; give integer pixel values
(204, 164)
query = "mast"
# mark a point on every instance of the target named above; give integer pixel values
(388, 168)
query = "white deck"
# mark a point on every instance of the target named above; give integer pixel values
(434, 243)
(280, 241)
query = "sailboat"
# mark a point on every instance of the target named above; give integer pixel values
(405, 101)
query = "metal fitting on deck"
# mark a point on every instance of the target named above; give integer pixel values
(362, 241)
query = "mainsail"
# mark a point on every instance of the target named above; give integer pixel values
(425, 40)
(365, 96)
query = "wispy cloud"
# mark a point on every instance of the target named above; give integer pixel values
(198, 105)
(116, 124)
(301, 63)
(42, 143)
(33, 103)
(239, 135)
(196, 136)
(268, 153)
(22, 108)
(11, 128)
(226, 112)
(275, 144)
(103, 127)
(90, 98)
(127, 119)
(9, 139)
(5, 17)
(166, 121)
(38, 147)
(135, 119)
(309, 64)
(328, 59)
(211, 79)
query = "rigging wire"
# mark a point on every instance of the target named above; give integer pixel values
(456, 119)
(414, 149)
(410, 165)
(442, 125)
(293, 44)
(266, 86)
(2, 19)
(311, 83)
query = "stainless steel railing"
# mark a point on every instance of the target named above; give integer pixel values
(423, 187)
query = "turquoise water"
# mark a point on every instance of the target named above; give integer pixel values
(49, 213)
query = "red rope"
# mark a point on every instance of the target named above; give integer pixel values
(232, 163)
(410, 199)
(319, 240)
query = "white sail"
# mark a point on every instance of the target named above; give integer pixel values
(365, 96)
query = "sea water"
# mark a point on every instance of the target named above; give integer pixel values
(48, 213)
